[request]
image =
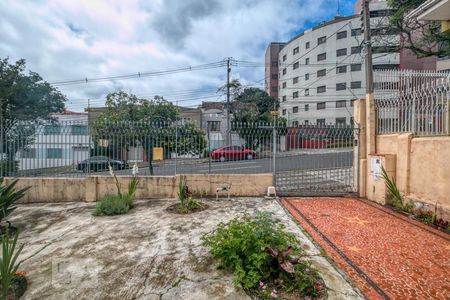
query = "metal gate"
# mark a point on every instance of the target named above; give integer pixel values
(317, 160)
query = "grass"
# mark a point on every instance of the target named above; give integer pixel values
(113, 205)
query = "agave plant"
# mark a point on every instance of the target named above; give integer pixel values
(283, 258)
(8, 263)
(8, 197)
(393, 191)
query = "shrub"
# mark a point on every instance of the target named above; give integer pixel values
(8, 264)
(187, 203)
(262, 256)
(113, 205)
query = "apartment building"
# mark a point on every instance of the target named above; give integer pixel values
(271, 68)
(321, 70)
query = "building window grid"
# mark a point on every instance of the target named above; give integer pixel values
(355, 67)
(296, 50)
(321, 73)
(321, 89)
(295, 80)
(341, 69)
(321, 40)
(321, 105)
(341, 103)
(341, 86)
(321, 56)
(341, 35)
(295, 109)
(296, 65)
(341, 52)
(295, 95)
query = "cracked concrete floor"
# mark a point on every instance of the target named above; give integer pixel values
(146, 254)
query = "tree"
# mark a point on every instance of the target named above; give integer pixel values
(423, 38)
(23, 98)
(252, 117)
(130, 121)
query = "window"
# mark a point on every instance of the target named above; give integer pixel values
(341, 35)
(321, 56)
(321, 89)
(307, 61)
(306, 122)
(274, 88)
(321, 105)
(355, 84)
(384, 31)
(295, 51)
(321, 73)
(307, 76)
(284, 57)
(295, 95)
(28, 153)
(385, 49)
(295, 123)
(52, 129)
(341, 86)
(79, 130)
(295, 109)
(320, 121)
(356, 50)
(295, 80)
(341, 103)
(284, 98)
(284, 71)
(340, 121)
(341, 69)
(274, 76)
(296, 65)
(385, 67)
(284, 112)
(355, 67)
(214, 125)
(380, 13)
(306, 107)
(321, 40)
(356, 32)
(341, 52)
(284, 85)
(55, 153)
(306, 92)
(307, 45)
(274, 64)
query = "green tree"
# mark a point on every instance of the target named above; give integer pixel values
(423, 38)
(23, 97)
(129, 121)
(252, 117)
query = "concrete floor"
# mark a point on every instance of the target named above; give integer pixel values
(146, 254)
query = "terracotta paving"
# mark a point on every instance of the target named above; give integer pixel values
(385, 254)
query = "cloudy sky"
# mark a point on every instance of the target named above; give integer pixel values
(68, 40)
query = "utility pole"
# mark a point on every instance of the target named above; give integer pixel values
(228, 102)
(367, 47)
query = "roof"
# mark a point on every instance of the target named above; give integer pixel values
(433, 10)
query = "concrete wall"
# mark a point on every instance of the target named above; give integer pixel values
(93, 188)
(420, 166)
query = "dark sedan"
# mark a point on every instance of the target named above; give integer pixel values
(99, 163)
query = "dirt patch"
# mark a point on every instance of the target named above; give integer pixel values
(178, 209)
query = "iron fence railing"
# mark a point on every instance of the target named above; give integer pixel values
(78, 148)
(412, 101)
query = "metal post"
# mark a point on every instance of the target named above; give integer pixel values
(209, 149)
(274, 152)
(176, 143)
(228, 102)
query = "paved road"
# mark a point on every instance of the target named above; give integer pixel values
(264, 165)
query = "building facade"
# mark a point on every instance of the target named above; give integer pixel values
(321, 71)
(271, 68)
(62, 143)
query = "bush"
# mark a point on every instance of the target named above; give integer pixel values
(8, 197)
(9, 265)
(262, 256)
(113, 205)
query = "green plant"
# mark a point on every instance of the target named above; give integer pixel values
(8, 263)
(261, 255)
(394, 194)
(187, 203)
(8, 197)
(112, 205)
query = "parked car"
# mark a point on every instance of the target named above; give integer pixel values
(99, 163)
(232, 153)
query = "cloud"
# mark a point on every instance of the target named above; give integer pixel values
(65, 40)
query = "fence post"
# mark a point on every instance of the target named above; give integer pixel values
(274, 152)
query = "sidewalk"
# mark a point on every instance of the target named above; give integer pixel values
(386, 255)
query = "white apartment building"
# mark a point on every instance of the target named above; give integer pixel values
(321, 70)
(64, 142)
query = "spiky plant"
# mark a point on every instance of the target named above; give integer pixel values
(394, 193)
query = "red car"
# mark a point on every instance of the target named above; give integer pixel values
(232, 153)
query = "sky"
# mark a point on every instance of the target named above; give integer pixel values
(66, 40)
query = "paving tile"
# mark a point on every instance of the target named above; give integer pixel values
(385, 254)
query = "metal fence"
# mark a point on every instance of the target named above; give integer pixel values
(77, 148)
(412, 101)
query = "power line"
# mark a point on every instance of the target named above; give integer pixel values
(207, 66)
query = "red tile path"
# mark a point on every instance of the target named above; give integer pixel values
(385, 254)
